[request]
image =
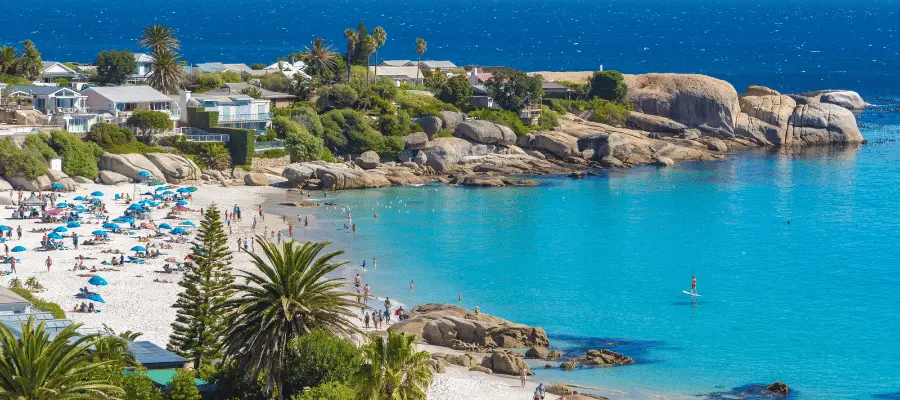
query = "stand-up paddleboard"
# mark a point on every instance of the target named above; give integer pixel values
(690, 294)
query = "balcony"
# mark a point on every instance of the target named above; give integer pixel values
(273, 145)
(254, 117)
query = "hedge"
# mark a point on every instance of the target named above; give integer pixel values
(42, 305)
(242, 143)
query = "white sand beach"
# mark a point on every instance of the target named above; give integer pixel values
(139, 297)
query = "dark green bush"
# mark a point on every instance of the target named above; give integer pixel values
(107, 135)
(42, 305)
(503, 117)
(395, 125)
(328, 391)
(79, 158)
(336, 97)
(15, 161)
(607, 85)
(319, 358)
(40, 144)
(418, 105)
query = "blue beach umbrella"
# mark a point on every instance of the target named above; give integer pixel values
(97, 194)
(178, 231)
(183, 190)
(136, 207)
(18, 249)
(4, 228)
(54, 235)
(124, 220)
(145, 174)
(95, 297)
(165, 226)
(181, 203)
(79, 198)
(168, 192)
(73, 224)
(62, 205)
(192, 189)
(57, 186)
(188, 223)
(99, 233)
(139, 248)
(60, 229)
(157, 196)
(97, 281)
(110, 225)
(160, 188)
(97, 201)
(79, 208)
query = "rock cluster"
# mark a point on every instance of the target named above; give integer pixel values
(604, 358)
(334, 176)
(455, 327)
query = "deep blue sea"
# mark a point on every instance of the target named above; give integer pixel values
(814, 302)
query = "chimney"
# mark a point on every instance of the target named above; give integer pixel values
(183, 103)
(473, 76)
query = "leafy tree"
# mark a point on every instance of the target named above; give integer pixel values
(166, 72)
(318, 358)
(435, 79)
(608, 85)
(513, 90)
(159, 38)
(114, 66)
(252, 91)
(139, 386)
(40, 143)
(395, 124)
(337, 96)
(258, 66)
(352, 39)
(328, 391)
(183, 387)
(393, 369)
(421, 46)
(418, 105)
(287, 296)
(196, 333)
(209, 81)
(380, 37)
(457, 91)
(350, 131)
(231, 76)
(306, 116)
(149, 122)
(61, 81)
(107, 135)
(276, 82)
(79, 158)
(20, 161)
(39, 366)
(301, 145)
(506, 118)
(302, 87)
(8, 56)
(30, 64)
(320, 59)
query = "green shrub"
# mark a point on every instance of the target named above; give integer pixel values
(205, 155)
(107, 135)
(607, 85)
(276, 82)
(303, 146)
(607, 112)
(395, 125)
(444, 133)
(506, 118)
(319, 358)
(79, 158)
(40, 144)
(549, 119)
(257, 66)
(350, 131)
(139, 386)
(305, 115)
(231, 76)
(457, 91)
(42, 305)
(183, 387)
(14, 80)
(272, 153)
(328, 391)
(418, 105)
(210, 81)
(15, 161)
(337, 96)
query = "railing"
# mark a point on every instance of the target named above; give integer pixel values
(245, 117)
(210, 138)
(275, 144)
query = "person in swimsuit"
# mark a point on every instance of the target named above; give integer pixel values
(693, 284)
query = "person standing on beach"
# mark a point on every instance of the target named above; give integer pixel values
(12, 265)
(358, 281)
(523, 374)
(374, 263)
(366, 292)
(19, 231)
(279, 237)
(49, 263)
(366, 320)
(75, 240)
(291, 230)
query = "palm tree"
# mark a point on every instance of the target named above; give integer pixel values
(8, 55)
(368, 47)
(286, 297)
(15, 283)
(166, 73)
(40, 367)
(319, 58)
(351, 36)
(421, 46)
(394, 369)
(380, 37)
(158, 38)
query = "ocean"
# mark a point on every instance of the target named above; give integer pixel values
(795, 254)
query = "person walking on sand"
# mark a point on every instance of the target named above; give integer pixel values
(49, 263)
(19, 232)
(358, 281)
(291, 230)
(279, 237)
(366, 292)
(523, 374)
(12, 265)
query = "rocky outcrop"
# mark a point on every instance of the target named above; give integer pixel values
(238, 174)
(842, 98)
(415, 141)
(113, 178)
(479, 368)
(451, 119)
(256, 179)
(779, 389)
(343, 176)
(485, 132)
(653, 123)
(604, 358)
(482, 181)
(40, 183)
(557, 143)
(130, 165)
(430, 124)
(5, 200)
(505, 362)
(368, 160)
(698, 101)
(174, 167)
(543, 353)
(59, 177)
(452, 326)
(4, 185)
(81, 179)
(443, 153)
(822, 124)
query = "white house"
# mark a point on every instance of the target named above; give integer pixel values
(409, 74)
(443, 66)
(121, 101)
(56, 70)
(63, 106)
(288, 68)
(235, 110)
(142, 71)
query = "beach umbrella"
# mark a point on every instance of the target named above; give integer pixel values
(110, 225)
(62, 205)
(18, 249)
(168, 192)
(54, 235)
(97, 281)
(97, 194)
(53, 212)
(79, 198)
(145, 174)
(188, 223)
(183, 190)
(99, 233)
(136, 207)
(97, 201)
(79, 208)
(178, 231)
(60, 229)
(4, 228)
(192, 189)
(125, 220)
(139, 248)
(73, 224)
(160, 188)
(181, 203)
(57, 186)
(157, 196)
(95, 297)
(165, 226)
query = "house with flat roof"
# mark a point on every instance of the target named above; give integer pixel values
(62, 106)
(409, 74)
(278, 99)
(553, 90)
(53, 70)
(142, 70)
(121, 101)
(443, 66)
(235, 110)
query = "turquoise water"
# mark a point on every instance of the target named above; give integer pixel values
(813, 302)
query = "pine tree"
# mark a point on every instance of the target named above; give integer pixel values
(207, 284)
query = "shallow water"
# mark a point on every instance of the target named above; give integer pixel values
(795, 256)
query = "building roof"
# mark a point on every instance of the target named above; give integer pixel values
(553, 86)
(220, 98)
(143, 58)
(50, 64)
(238, 67)
(152, 356)
(438, 64)
(235, 88)
(210, 67)
(129, 94)
(396, 63)
(36, 90)
(406, 71)
(9, 297)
